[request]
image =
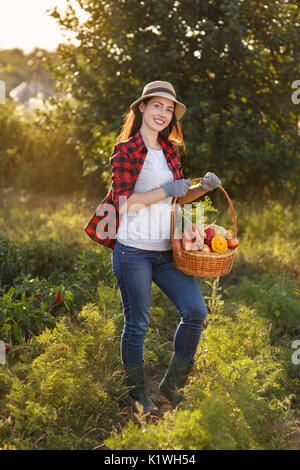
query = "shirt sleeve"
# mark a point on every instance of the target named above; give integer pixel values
(122, 175)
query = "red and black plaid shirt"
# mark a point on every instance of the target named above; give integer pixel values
(126, 160)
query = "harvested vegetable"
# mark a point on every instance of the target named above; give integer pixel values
(210, 233)
(219, 230)
(193, 239)
(205, 249)
(219, 244)
(233, 243)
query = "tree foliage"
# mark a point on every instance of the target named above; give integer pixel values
(232, 62)
(17, 67)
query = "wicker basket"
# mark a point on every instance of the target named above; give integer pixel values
(203, 264)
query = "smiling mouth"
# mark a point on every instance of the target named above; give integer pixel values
(159, 122)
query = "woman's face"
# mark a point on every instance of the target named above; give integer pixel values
(157, 113)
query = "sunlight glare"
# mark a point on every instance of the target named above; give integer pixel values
(26, 24)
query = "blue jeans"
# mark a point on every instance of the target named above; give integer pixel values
(134, 270)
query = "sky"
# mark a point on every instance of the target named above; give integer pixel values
(25, 24)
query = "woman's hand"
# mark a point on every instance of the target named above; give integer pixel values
(209, 182)
(177, 188)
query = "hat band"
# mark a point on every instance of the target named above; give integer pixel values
(154, 90)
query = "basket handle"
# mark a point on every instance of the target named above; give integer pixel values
(174, 208)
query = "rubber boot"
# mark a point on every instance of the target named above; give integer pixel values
(175, 379)
(136, 384)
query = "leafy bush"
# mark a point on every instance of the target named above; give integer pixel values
(65, 279)
(32, 305)
(67, 393)
(11, 138)
(36, 257)
(238, 388)
(34, 158)
(268, 236)
(274, 297)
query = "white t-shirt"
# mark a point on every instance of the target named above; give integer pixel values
(149, 228)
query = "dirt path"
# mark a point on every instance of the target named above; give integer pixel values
(152, 381)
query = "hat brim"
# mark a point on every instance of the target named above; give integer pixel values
(180, 108)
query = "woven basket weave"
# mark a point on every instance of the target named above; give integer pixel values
(202, 264)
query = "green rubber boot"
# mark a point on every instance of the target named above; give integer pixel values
(136, 384)
(175, 378)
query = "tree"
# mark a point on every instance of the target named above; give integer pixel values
(17, 67)
(232, 62)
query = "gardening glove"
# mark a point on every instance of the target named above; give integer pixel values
(209, 182)
(177, 188)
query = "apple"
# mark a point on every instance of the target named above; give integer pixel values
(232, 243)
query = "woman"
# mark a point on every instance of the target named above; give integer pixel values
(146, 175)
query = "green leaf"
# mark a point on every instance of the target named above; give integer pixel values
(17, 333)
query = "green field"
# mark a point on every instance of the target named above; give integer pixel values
(60, 311)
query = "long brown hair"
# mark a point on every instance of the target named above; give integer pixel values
(133, 120)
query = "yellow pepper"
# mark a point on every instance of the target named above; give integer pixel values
(219, 244)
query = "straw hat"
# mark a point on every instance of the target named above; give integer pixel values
(164, 89)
